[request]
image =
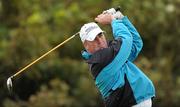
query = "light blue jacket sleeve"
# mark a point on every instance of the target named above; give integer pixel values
(111, 76)
(121, 31)
(137, 41)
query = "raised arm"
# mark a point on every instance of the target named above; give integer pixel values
(120, 31)
(137, 41)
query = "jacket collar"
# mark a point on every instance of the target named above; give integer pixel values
(86, 55)
(95, 57)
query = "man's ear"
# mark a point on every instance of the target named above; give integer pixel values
(85, 44)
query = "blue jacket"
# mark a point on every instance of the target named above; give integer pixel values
(110, 75)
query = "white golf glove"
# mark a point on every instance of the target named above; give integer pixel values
(116, 14)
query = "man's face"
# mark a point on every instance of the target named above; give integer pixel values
(98, 43)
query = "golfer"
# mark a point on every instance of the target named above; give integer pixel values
(120, 82)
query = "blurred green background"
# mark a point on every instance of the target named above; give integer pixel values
(29, 28)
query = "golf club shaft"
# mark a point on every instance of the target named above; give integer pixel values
(35, 61)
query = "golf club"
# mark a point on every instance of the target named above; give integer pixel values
(9, 80)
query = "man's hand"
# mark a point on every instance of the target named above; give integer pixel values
(104, 19)
(116, 13)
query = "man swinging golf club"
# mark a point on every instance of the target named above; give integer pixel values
(120, 82)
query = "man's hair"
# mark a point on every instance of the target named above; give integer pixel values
(101, 34)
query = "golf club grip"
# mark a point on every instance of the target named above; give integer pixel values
(42, 56)
(118, 8)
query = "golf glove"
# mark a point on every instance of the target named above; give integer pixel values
(116, 14)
